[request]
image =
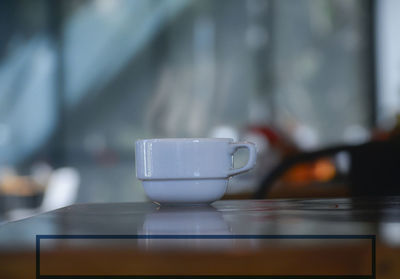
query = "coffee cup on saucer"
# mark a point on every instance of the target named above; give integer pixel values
(188, 170)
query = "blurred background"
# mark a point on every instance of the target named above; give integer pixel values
(81, 80)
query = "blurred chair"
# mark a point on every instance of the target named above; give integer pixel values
(61, 191)
(374, 168)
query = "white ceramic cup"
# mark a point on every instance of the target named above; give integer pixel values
(192, 170)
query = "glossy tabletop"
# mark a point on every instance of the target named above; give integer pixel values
(231, 219)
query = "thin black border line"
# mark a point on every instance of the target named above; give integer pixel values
(246, 236)
(373, 252)
(38, 276)
(205, 276)
(208, 236)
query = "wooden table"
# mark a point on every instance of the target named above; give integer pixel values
(231, 237)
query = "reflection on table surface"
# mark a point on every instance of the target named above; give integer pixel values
(289, 216)
(360, 216)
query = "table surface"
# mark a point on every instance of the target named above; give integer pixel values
(344, 216)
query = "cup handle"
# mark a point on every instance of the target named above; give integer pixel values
(252, 157)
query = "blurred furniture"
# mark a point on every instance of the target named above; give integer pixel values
(373, 169)
(19, 192)
(358, 216)
(61, 191)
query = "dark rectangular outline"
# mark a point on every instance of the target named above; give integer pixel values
(373, 260)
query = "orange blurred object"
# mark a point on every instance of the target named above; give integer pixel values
(322, 170)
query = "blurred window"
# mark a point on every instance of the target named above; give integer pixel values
(80, 81)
